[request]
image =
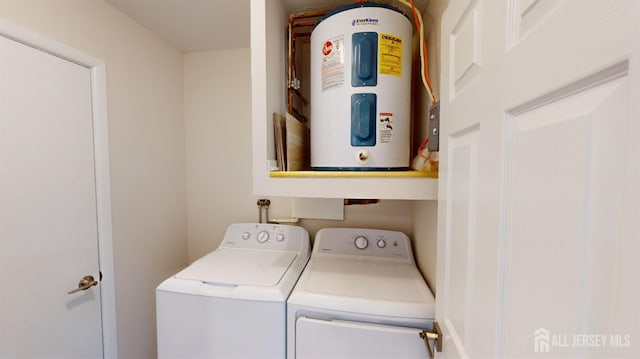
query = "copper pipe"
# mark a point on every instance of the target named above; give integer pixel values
(289, 64)
(290, 100)
(290, 69)
(294, 24)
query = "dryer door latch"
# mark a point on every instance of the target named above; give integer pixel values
(436, 335)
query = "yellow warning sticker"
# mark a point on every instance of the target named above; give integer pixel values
(390, 55)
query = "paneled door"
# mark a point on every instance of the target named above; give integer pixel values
(539, 212)
(48, 220)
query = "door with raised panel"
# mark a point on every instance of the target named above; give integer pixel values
(539, 198)
(48, 218)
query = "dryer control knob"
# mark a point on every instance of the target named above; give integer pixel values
(280, 237)
(361, 242)
(382, 243)
(263, 236)
(246, 235)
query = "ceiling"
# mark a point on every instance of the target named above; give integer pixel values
(193, 25)
(203, 25)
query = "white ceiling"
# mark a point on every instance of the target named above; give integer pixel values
(193, 25)
(202, 25)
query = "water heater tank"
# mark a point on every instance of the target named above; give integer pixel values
(361, 89)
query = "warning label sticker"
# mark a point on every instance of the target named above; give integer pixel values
(333, 63)
(385, 127)
(390, 55)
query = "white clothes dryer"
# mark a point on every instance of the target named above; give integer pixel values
(231, 303)
(360, 296)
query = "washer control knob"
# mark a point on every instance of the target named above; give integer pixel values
(280, 237)
(246, 235)
(381, 243)
(263, 236)
(361, 242)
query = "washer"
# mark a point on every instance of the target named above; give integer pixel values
(231, 303)
(360, 296)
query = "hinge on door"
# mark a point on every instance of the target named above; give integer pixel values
(436, 335)
(100, 280)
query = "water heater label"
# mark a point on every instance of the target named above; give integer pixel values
(390, 55)
(333, 63)
(385, 127)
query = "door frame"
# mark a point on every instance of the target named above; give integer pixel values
(97, 69)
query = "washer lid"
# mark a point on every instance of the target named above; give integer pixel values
(240, 267)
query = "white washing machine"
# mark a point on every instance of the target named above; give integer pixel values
(231, 303)
(360, 296)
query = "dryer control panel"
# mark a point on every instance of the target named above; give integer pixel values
(266, 236)
(363, 242)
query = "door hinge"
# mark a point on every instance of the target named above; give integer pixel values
(434, 334)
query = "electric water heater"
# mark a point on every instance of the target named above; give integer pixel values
(361, 89)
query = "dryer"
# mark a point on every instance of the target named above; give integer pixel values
(231, 303)
(360, 296)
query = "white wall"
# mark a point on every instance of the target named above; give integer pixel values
(217, 112)
(425, 212)
(146, 129)
(424, 221)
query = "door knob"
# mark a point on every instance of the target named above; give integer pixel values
(435, 335)
(85, 283)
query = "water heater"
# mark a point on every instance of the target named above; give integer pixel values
(361, 89)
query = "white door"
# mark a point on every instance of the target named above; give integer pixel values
(539, 208)
(48, 225)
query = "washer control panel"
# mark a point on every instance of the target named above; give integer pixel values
(265, 236)
(362, 242)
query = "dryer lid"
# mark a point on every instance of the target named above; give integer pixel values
(240, 267)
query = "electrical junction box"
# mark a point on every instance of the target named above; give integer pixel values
(434, 128)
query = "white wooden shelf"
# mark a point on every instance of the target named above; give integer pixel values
(352, 174)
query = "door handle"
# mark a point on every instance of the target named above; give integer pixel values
(85, 283)
(436, 335)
